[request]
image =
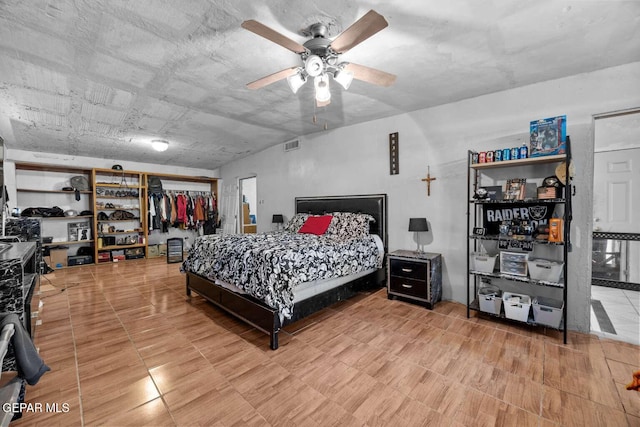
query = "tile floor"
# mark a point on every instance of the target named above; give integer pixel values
(623, 309)
(126, 347)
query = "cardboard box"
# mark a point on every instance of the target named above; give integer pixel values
(548, 136)
(154, 251)
(58, 258)
(162, 249)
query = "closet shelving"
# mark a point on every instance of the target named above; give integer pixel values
(41, 185)
(491, 174)
(119, 192)
(175, 184)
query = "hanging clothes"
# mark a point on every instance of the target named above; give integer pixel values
(157, 219)
(184, 210)
(181, 204)
(198, 210)
(174, 209)
(152, 212)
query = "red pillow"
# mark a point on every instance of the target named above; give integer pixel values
(316, 225)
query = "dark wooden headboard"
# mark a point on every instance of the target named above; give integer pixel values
(372, 204)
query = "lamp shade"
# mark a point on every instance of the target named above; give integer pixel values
(344, 78)
(418, 224)
(296, 81)
(277, 219)
(322, 88)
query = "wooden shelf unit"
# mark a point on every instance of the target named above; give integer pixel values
(108, 187)
(41, 185)
(109, 179)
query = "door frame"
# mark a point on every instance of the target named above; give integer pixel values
(240, 216)
(617, 284)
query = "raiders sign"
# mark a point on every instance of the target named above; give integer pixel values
(535, 213)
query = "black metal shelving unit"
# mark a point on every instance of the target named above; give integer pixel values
(474, 220)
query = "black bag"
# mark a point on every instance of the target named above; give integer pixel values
(43, 212)
(154, 185)
(121, 215)
(85, 250)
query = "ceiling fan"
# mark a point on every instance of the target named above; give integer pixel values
(320, 57)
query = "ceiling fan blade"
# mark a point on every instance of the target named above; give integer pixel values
(359, 31)
(269, 34)
(272, 78)
(371, 75)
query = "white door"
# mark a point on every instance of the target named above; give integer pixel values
(616, 209)
(616, 200)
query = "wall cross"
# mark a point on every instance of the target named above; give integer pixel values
(428, 179)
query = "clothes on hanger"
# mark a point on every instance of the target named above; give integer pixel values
(182, 209)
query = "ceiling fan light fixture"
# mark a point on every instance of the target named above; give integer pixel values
(314, 65)
(296, 81)
(160, 144)
(321, 83)
(344, 78)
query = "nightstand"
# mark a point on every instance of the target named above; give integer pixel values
(416, 276)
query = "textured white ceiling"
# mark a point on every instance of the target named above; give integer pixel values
(102, 78)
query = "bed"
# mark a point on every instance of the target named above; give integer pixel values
(236, 272)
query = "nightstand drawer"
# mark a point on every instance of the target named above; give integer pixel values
(409, 287)
(413, 270)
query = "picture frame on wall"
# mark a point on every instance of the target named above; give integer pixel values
(78, 231)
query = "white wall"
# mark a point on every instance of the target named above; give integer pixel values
(354, 160)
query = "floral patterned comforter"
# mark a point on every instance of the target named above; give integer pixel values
(269, 266)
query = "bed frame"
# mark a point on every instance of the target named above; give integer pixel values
(265, 318)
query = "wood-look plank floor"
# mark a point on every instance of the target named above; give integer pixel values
(126, 347)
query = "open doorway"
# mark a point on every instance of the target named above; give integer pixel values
(248, 205)
(615, 283)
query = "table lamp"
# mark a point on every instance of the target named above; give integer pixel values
(277, 219)
(418, 225)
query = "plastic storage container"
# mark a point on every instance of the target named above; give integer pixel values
(516, 306)
(483, 263)
(545, 270)
(514, 263)
(490, 299)
(547, 311)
